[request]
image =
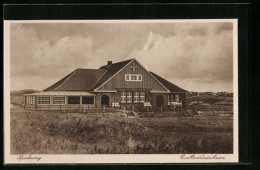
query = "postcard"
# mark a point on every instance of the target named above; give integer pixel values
(120, 91)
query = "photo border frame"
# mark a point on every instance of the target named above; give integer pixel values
(162, 11)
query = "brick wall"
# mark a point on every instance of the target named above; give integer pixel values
(149, 97)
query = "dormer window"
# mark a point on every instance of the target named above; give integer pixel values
(133, 77)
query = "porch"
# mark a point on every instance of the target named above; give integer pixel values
(59, 100)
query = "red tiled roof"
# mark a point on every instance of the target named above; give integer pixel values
(78, 80)
(167, 84)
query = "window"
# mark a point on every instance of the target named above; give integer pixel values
(30, 99)
(43, 100)
(177, 98)
(87, 99)
(73, 100)
(136, 97)
(58, 100)
(133, 77)
(129, 97)
(123, 97)
(142, 97)
(171, 98)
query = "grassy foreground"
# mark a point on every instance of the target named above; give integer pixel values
(37, 132)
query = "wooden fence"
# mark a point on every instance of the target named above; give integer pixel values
(212, 108)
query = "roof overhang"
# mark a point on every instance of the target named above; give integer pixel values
(105, 91)
(61, 93)
(160, 92)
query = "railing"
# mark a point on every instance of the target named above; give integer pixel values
(215, 108)
(175, 104)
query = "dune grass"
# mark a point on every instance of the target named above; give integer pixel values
(45, 132)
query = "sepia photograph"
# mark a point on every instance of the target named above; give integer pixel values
(121, 91)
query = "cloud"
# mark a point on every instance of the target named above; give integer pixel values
(195, 56)
(205, 59)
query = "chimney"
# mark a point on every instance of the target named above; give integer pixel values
(109, 63)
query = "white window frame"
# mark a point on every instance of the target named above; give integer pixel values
(30, 100)
(41, 100)
(131, 79)
(177, 98)
(129, 96)
(136, 97)
(33, 98)
(141, 77)
(142, 96)
(123, 97)
(58, 100)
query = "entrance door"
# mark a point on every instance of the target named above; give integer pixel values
(159, 101)
(104, 101)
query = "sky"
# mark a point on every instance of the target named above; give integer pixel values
(194, 56)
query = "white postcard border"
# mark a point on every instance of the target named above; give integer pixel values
(117, 158)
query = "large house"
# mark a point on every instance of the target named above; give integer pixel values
(123, 84)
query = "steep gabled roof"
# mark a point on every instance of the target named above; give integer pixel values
(167, 84)
(91, 79)
(111, 71)
(78, 80)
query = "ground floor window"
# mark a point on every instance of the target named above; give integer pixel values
(30, 99)
(43, 100)
(73, 100)
(136, 97)
(87, 99)
(123, 97)
(142, 97)
(129, 97)
(172, 98)
(58, 100)
(177, 98)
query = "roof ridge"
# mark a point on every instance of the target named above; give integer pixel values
(66, 79)
(89, 69)
(117, 62)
